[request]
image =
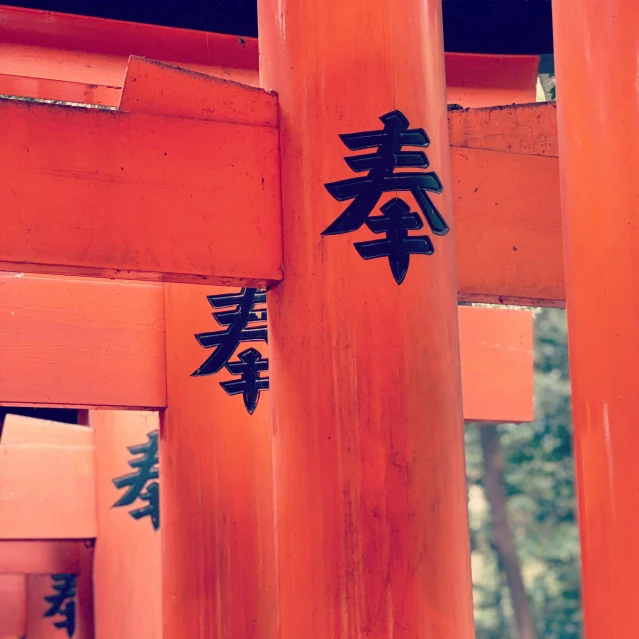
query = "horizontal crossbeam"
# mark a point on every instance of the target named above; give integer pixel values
(497, 364)
(507, 205)
(40, 557)
(99, 343)
(94, 174)
(47, 488)
(181, 184)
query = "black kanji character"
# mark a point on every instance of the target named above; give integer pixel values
(396, 221)
(250, 366)
(62, 602)
(146, 471)
(249, 310)
(151, 495)
(366, 191)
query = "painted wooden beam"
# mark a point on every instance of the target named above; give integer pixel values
(507, 205)
(89, 50)
(506, 208)
(47, 491)
(40, 557)
(81, 342)
(497, 364)
(529, 129)
(93, 343)
(62, 90)
(138, 194)
(507, 228)
(474, 80)
(49, 54)
(80, 59)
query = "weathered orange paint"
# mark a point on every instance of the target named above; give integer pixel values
(474, 80)
(126, 572)
(596, 45)
(47, 491)
(529, 129)
(110, 184)
(496, 345)
(367, 418)
(13, 606)
(39, 557)
(218, 541)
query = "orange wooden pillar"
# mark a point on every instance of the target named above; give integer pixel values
(367, 423)
(596, 45)
(126, 572)
(61, 606)
(13, 606)
(218, 542)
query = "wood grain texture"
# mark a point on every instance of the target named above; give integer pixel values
(46, 491)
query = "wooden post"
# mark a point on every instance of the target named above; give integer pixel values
(218, 542)
(368, 448)
(127, 573)
(13, 606)
(61, 606)
(596, 45)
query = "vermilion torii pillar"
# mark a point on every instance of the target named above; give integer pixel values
(365, 382)
(596, 45)
(127, 575)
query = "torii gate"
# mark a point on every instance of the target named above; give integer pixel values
(68, 471)
(369, 503)
(82, 313)
(140, 382)
(263, 106)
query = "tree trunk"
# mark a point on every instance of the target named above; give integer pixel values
(502, 535)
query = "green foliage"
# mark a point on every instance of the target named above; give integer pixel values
(539, 484)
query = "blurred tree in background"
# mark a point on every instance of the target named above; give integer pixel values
(533, 467)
